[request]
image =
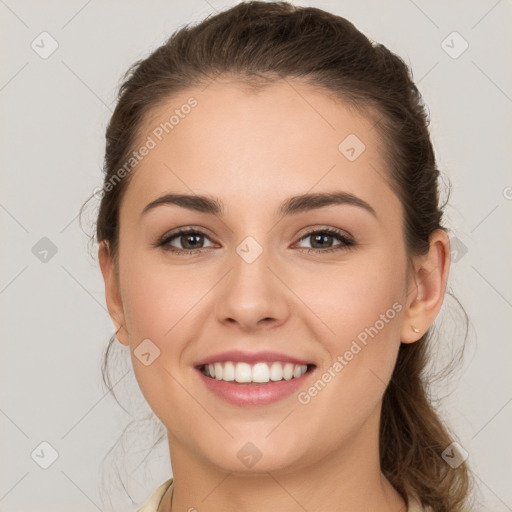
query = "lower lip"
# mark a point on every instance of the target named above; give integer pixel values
(253, 393)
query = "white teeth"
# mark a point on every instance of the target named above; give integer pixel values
(288, 371)
(228, 373)
(243, 372)
(259, 372)
(276, 371)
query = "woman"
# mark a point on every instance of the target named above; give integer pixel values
(273, 252)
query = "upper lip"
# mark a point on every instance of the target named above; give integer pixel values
(239, 356)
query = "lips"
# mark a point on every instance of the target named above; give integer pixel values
(253, 378)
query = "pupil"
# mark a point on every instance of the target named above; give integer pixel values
(188, 238)
(320, 238)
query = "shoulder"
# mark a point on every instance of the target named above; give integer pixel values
(152, 504)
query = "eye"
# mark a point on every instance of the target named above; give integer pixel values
(191, 241)
(323, 237)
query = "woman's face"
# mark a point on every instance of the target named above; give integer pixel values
(261, 275)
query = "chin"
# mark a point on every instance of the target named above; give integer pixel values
(247, 457)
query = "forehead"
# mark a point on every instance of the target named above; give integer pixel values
(243, 144)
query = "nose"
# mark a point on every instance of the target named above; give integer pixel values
(252, 297)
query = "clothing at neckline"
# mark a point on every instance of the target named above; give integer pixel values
(154, 501)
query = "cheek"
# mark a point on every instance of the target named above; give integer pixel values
(157, 298)
(360, 305)
(353, 296)
(168, 304)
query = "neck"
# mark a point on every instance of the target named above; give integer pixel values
(348, 479)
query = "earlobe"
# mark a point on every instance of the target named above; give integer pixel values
(428, 285)
(112, 292)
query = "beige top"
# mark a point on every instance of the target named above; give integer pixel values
(152, 504)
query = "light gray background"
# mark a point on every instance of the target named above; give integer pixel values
(54, 323)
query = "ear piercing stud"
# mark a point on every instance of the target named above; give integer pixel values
(415, 329)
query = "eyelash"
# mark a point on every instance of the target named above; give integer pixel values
(347, 243)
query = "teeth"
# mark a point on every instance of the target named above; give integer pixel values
(259, 372)
(218, 371)
(243, 372)
(228, 373)
(297, 372)
(276, 371)
(288, 371)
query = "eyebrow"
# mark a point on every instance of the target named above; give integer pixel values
(293, 205)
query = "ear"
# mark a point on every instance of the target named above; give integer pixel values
(112, 292)
(427, 287)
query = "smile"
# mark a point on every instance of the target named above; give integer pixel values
(261, 372)
(243, 384)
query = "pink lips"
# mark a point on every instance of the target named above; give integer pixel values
(253, 393)
(244, 394)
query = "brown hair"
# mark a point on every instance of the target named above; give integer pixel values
(262, 42)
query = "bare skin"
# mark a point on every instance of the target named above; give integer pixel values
(252, 151)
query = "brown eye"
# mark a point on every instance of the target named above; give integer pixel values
(189, 241)
(321, 240)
